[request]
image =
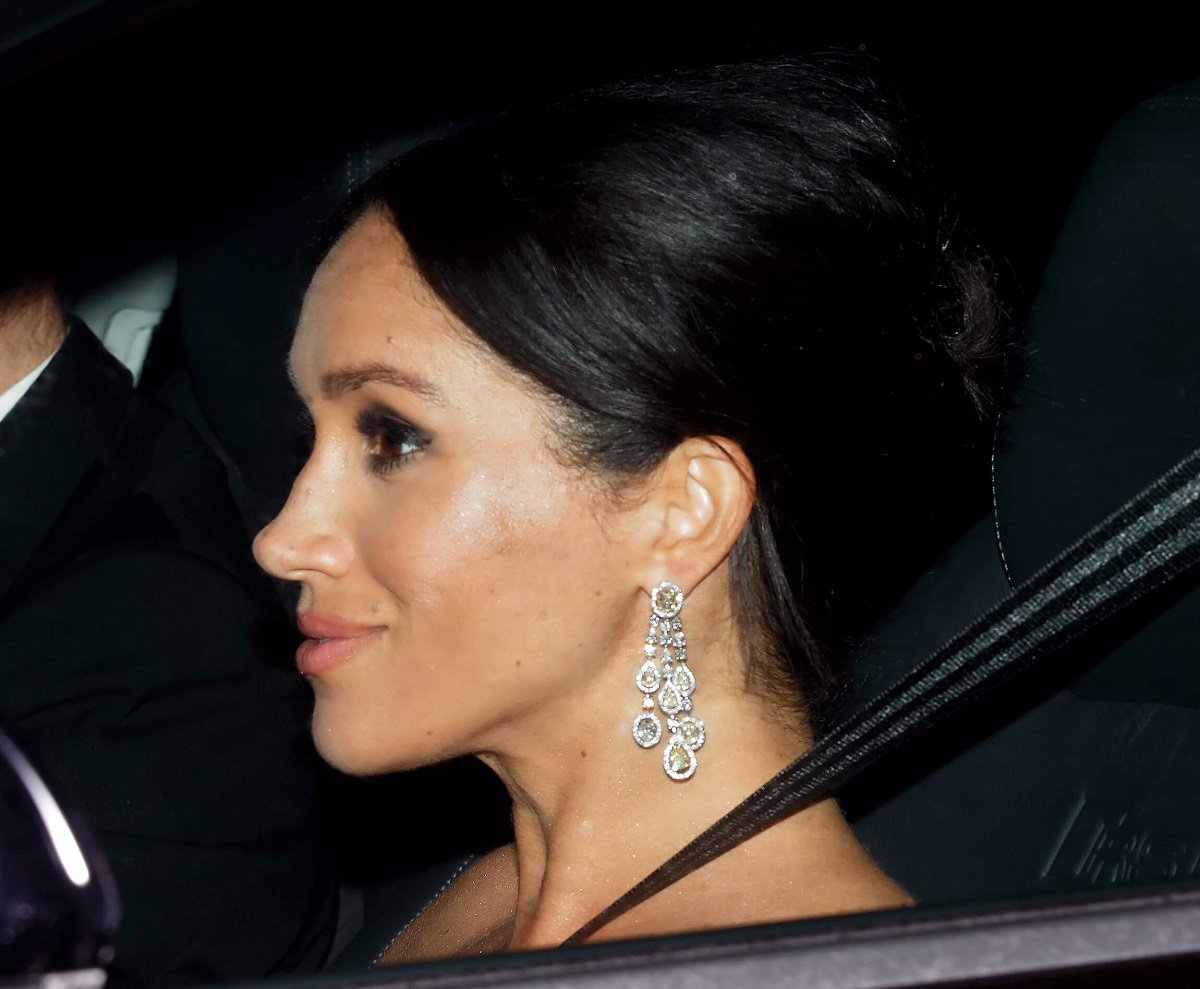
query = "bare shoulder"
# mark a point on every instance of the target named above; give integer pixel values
(471, 915)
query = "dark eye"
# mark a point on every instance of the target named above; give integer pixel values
(390, 440)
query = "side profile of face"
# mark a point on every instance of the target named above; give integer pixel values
(458, 582)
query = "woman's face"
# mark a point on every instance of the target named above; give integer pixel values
(458, 583)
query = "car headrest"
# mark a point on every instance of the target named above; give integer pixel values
(240, 287)
(1112, 395)
(125, 309)
(1082, 772)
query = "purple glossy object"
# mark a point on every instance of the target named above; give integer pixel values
(58, 903)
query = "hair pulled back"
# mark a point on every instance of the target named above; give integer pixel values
(757, 252)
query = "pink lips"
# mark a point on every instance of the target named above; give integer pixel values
(330, 641)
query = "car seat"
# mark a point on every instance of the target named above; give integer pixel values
(1083, 774)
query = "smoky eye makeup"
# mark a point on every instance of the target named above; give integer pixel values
(390, 439)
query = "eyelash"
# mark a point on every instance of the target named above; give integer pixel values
(385, 431)
(305, 437)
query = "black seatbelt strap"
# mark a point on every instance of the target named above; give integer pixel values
(1143, 545)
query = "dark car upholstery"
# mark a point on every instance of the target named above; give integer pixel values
(1084, 774)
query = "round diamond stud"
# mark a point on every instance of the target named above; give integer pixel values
(666, 599)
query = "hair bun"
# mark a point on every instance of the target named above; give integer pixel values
(974, 329)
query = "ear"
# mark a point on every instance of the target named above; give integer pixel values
(699, 500)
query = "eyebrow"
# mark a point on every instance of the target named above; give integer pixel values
(346, 379)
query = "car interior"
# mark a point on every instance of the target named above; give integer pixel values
(1051, 831)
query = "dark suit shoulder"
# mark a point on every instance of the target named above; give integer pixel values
(139, 674)
(157, 453)
(147, 661)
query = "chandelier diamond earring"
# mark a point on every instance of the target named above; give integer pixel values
(671, 684)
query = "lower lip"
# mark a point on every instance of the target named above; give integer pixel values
(316, 656)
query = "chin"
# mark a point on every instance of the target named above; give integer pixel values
(348, 747)
(342, 757)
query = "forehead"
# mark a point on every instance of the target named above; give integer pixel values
(369, 310)
(367, 303)
(371, 253)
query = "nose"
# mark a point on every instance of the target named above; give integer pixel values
(305, 539)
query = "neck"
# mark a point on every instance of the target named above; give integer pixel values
(593, 812)
(31, 329)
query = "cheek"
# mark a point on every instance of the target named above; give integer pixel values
(493, 514)
(499, 588)
(496, 555)
(533, 532)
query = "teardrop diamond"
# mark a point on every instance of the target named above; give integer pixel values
(648, 679)
(690, 732)
(679, 761)
(669, 700)
(683, 680)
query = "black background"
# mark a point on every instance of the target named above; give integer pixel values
(136, 123)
